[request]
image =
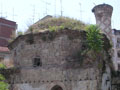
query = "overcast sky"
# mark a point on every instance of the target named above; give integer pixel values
(26, 12)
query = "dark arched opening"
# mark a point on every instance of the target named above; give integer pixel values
(56, 87)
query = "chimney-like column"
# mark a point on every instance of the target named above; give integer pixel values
(103, 13)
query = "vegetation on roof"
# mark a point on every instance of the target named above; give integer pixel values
(57, 23)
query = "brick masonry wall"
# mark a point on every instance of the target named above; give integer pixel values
(60, 66)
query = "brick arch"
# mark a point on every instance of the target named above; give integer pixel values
(56, 85)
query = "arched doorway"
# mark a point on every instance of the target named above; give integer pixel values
(57, 87)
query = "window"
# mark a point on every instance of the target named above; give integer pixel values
(37, 62)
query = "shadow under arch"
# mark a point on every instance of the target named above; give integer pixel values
(56, 87)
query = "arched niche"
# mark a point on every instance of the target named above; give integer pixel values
(56, 87)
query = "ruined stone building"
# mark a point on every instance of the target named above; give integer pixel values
(56, 60)
(52, 61)
(7, 29)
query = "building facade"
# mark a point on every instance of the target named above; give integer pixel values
(7, 30)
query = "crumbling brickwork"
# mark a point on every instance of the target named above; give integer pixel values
(50, 59)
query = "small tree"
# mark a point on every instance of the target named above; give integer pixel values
(3, 84)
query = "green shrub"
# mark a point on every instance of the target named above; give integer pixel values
(3, 84)
(61, 27)
(53, 28)
(56, 28)
(2, 66)
(94, 38)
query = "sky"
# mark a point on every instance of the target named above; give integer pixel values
(27, 12)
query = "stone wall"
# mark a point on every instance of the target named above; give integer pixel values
(45, 79)
(61, 62)
(51, 52)
(106, 79)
